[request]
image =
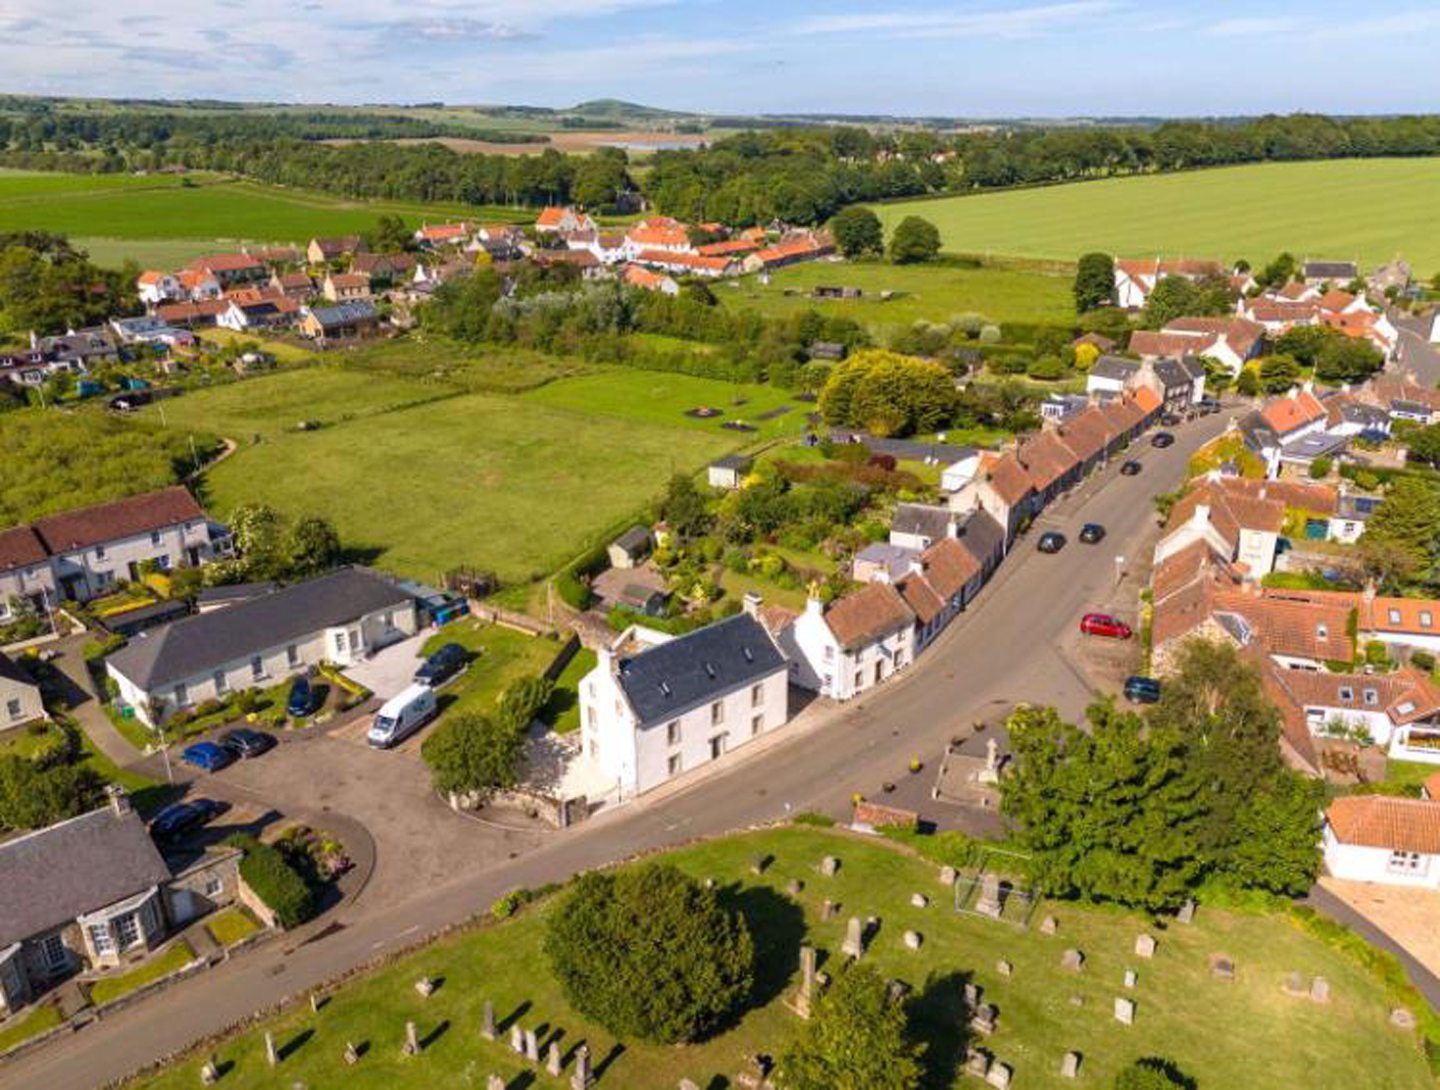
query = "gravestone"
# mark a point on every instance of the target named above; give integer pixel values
(517, 1040)
(412, 1040)
(919, 900)
(687, 1084)
(352, 1054)
(1124, 1010)
(314, 1003)
(494, 1082)
(1049, 925)
(1402, 1018)
(973, 992)
(532, 1047)
(1130, 978)
(1070, 1065)
(582, 1079)
(1186, 913)
(794, 887)
(854, 944)
(1294, 986)
(552, 1059)
(803, 998)
(1320, 990)
(827, 910)
(1004, 968)
(913, 939)
(758, 864)
(983, 1020)
(425, 987)
(1144, 946)
(1073, 960)
(209, 1073)
(948, 876)
(999, 1075)
(988, 903)
(990, 774)
(977, 1063)
(270, 1054)
(1222, 967)
(487, 1021)
(829, 866)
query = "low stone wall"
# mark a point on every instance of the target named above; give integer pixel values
(251, 900)
(521, 622)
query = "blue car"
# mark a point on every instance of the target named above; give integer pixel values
(302, 699)
(208, 756)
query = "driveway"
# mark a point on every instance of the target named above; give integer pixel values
(390, 669)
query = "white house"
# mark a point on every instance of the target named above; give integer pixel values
(1398, 711)
(19, 696)
(656, 706)
(341, 617)
(920, 525)
(856, 643)
(155, 287)
(959, 473)
(1381, 838)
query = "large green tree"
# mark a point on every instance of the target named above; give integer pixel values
(1408, 520)
(888, 394)
(1424, 444)
(1094, 282)
(857, 1039)
(33, 796)
(470, 753)
(914, 240)
(857, 231)
(650, 953)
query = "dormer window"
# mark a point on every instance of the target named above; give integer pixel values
(1394, 615)
(1371, 696)
(1426, 620)
(1322, 632)
(1347, 694)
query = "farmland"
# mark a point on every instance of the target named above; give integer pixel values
(1368, 210)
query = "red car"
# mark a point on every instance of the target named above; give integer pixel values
(1102, 624)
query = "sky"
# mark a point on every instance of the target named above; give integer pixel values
(977, 58)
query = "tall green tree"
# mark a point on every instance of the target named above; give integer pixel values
(685, 508)
(469, 753)
(914, 240)
(1408, 520)
(857, 231)
(1094, 282)
(888, 394)
(1276, 844)
(1424, 444)
(858, 1039)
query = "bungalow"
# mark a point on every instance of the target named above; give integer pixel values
(553, 220)
(854, 644)
(243, 312)
(687, 263)
(156, 287)
(152, 330)
(228, 270)
(322, 250)
(346, 287)
(728, 472)
(789, 251)
(656, 706)
(342, 322)
(341, 617)
(1381, 838)
(588, 264)
(19, 695)
(93, 893)
(192, 314)
(1400, 712)
(77, 350)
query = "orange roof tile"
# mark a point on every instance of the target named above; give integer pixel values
(1383, 821)
(867, 615)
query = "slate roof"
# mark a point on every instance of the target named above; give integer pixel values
(982, 537)
(895, 559)
(738, 462)
(922, 520)
(199, 644)
(1380, 821)
(1330, 270)
(10, 670)
(672, 678)
(51, 876)
(1117, 368)
(129, 517)
(358, 310)
(1174, 372)
(634, 539)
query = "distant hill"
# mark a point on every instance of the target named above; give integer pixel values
(618, 110)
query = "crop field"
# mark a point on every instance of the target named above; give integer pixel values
(1367, 210)
(933, 293)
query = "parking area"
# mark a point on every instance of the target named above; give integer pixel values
(390, 669)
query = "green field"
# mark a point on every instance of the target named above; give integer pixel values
(1243, 1034)
(1368, 210)
(934, 293)
(162, 220)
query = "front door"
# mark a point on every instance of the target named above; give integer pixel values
(879, 672)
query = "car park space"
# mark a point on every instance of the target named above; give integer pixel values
(390, 669)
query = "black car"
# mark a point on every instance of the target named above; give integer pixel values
(1142, 690)
(441, 666)
(1091, 532)
(1170, 420)
(1131, 468)
(1050, 542)
(1162, 439)
(179, 818)
(244, 742)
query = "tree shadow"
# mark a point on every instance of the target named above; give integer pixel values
(294, 1045)
(777, 927)
(938, 1018)
(435, 1034)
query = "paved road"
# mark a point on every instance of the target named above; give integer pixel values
(1001, 651)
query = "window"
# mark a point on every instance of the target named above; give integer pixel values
(101, 940)
(675, 764)
(1371, 696)
(1394, 615)
(257, 667)
(154, 537)
(340, 641)
(127, 930)
(99, 552)
(292, 655)
(757, 696)
(717, 714)
(757, 724)
(1322, 631)
(1427, 620)
(163, 561)
(830, 653)
(827, 682)
(1346, 693)
(52, 947)
(1406, 862)
(221, 684)
(182, 695)
(592, 717)
(672, 732)
(12, 708)
(213, 885)
(859, 678)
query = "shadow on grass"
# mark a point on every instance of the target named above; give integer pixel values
(616, 1051)
(434, 1035)
(777, 926)
(295, 1044)
(503, 1026)
(939, 1019)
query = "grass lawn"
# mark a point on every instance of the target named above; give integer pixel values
(934, 293)
(230, 925)
(503, 655)
(1216, 1032)
(17, 1030)
(658, 397)
(283, 351)
(1251, 211)
(29, 740)
(111, 988)
(562, 711)
(475, 369)
(1409, 774)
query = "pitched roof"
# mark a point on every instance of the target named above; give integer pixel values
(867, 615)
(20, 547)
(1009, 479)
(949, 567)
(1384, 821)
(10, 670)
(1155, 344)
(922, 519)
(53, 875)
(685, 260)
(1294, 410)
(199, 644)
(1147, 399)
(1240, 333)
(1117, 368)
(1405, 695)
(1046, 458)
(129, 517)
(1330, 270)
(356, 310)
(921, 597)
(348, 280)
(674, 677)
(658, 235)
(1402, 615)
(218, 263)
(982, 538)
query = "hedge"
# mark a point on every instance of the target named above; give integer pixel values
(278, 885)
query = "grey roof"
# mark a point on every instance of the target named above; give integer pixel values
(983, 537)
(909, 450)
(1357, 412)
(896, 559)
(235, 592)
(1330, 270)
(923, 520)
(197, 645)
(684, 673)
(634, 539)
(1257, 433)
(1316, 444)
(51, 876)
(10, 670)
(1356, 508)
(1414, 408)
(1177, 372)
(358, 310)
(1114, 367)
(738, 462)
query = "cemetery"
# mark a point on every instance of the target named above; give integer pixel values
(1230, 998)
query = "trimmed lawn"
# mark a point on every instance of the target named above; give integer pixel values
(230, 925)
(504, 655)
(175, 958)
(562, 711)
(15, 1031)
(934, 293)
(1409, 774)
(1216, 1032)
(31, 739)
(1252, 211)
(283, 351)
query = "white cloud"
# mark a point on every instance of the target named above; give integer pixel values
(993, 22)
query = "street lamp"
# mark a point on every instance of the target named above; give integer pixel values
(1119, 569)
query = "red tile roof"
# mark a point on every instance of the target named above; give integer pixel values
(20, 547)
(867, 615)
(1294, 410)
(949, 567)
(124, 518)
(1383, 821)
(219, 263)
(685, 260)
(920, 596)
(1009, 479)
(659, 235)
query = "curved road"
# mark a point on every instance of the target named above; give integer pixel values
(1003, 649)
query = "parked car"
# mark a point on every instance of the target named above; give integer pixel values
(1170, 420)
(1130, 468)
(301, 701)
(208, 756)
(443, 665)
(402, 716)
(1091, 532)
(1102, 624)
(1142, 690)
(245, 742)
(179, 818)
(1162, 439)
(1050, 542)
(1207, 405)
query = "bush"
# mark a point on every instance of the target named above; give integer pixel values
(1152, 1074)
(470, 753)
(278, 885)
(650, 953)
(572, 591)
(1320, 469)
(1422, 660)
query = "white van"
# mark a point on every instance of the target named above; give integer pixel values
(402, 716)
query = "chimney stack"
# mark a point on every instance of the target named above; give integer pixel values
(119, 799)
(753, 602)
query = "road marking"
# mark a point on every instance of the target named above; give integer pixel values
(408, 931)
